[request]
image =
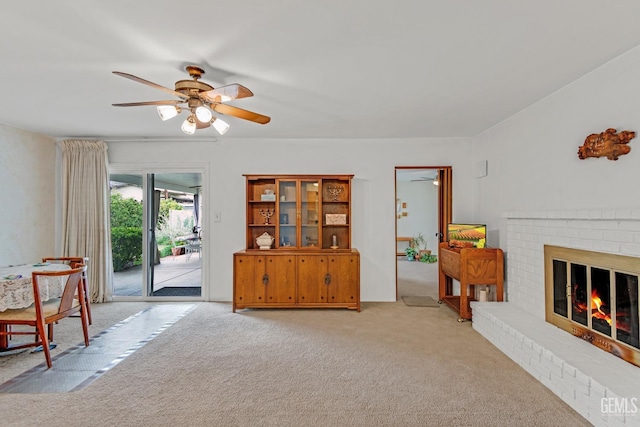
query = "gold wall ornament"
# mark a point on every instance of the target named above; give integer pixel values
(609, 143)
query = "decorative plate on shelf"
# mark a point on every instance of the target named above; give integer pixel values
(336, 219)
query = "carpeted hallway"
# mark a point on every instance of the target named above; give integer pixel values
(389, 365)
(417, 278)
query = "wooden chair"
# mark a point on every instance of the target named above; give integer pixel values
(72, 261)
(43, 314)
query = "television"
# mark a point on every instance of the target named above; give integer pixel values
(468, 234)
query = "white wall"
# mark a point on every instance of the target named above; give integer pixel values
(538, 192)
(27, 195)
(532, 157)
(372, 162)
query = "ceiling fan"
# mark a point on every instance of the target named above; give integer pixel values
(200, 100)
(427, 178)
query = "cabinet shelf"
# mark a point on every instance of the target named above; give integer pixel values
(300, 210)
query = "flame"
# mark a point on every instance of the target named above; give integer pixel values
(596, 303)
(596, 307)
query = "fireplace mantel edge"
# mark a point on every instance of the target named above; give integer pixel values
(589, 214)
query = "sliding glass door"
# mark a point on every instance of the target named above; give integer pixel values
(156, 234)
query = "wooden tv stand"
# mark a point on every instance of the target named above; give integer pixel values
(471, 267)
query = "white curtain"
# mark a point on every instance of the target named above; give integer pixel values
(86, 200)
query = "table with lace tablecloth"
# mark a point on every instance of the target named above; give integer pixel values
(16, 288)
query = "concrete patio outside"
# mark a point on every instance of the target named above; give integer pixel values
(178, 271)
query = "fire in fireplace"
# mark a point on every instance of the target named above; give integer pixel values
(595, 296)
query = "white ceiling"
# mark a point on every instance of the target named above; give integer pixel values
(323, 69)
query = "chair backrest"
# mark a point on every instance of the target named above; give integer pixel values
(72, 261)
(71, 287)
(67, 260)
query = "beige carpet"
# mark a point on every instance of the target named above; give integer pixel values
(418, 301)
(67, 334)
(389, 365)
(417, 278)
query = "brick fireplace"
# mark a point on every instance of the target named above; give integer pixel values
(583, 375)
(594, 296)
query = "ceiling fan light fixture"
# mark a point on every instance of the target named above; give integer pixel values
(167, 112)
(220, 125)
(201, 101)
(203, 114)
(189, 125)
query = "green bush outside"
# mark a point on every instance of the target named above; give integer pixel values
(126, 230)
(126, 243)
(125, 212)
(163, 240)
(164, 251)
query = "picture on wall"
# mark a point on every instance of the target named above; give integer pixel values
(466, 232)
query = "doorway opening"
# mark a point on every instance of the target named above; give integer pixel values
(156, 234)
(423, 210)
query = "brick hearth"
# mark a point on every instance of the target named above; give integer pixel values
(578, 372)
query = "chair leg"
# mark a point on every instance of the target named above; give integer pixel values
(45, 344)
(88, 301)
(85, 326)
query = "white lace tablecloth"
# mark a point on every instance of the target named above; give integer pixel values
(18, 292)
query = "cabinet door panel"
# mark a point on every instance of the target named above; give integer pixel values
(281, 273)
(311, 276)
(245, 280)
(343, 273)
(309, 214)
(287, 213)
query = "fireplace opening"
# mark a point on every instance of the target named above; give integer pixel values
(595, 296)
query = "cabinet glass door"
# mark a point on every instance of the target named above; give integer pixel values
(309, 213)
(287, 211)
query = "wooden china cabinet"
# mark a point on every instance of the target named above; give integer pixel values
(306, 258)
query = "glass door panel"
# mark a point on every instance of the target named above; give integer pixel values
(126, 233)
(309, 213)
(156, 234)
(175, 235)
(580, 294)
(287, 210)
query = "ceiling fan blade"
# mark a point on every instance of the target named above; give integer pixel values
(148, 83)
(226, 93)
(137, 104)
(240, 113)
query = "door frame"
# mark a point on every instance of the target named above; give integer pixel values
(445, 203)
(144, 169)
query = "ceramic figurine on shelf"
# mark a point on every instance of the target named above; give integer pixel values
(265, 240)
(334, 242)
